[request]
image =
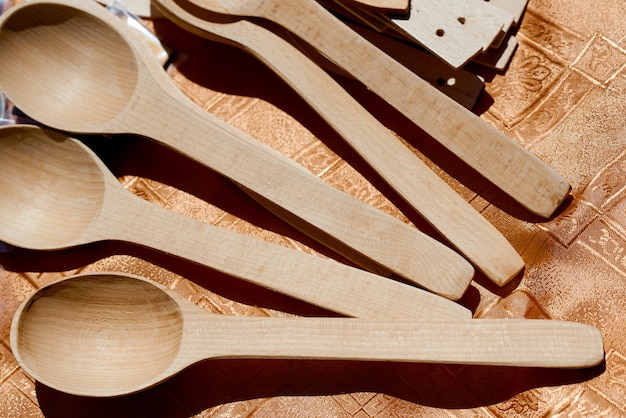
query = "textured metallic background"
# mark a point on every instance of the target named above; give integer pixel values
(563, 97)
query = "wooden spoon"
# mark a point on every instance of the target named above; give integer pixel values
(498, 158)
(56, 193)
(108, 82)
(106, 334)
(416, 183)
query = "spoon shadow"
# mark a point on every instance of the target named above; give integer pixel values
(173, 169)
(217, 382)
(230, 70)
(105, 252)
(160, 164)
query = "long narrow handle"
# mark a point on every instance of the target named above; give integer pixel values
(522, 342)
(498, 158)
(310, 278)
(484, 246)
(360, 232)
(466, 230)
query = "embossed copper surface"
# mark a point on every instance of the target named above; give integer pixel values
(563, 97)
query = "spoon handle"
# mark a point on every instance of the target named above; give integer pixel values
(320, 281)
(455, 219)
(401, 169)
(360, 232)
(501, 160)
(485, 247)
(508, 342)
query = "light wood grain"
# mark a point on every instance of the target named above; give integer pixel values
(381, 32)
(463, 86)
(465, 90)
(480, 243)
(107, 335)
(478, 21)
(108, 83)
(505, 17)
(432, 25)
(498, 158)
(483, 245)
(79, 201)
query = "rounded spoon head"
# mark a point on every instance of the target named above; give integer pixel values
(53, 189)
(74, 82)
(98, 334)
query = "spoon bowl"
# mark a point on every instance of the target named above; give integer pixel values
(108, 334)
(63, 29)
(67, 197)
(132, 333)
(52, 204)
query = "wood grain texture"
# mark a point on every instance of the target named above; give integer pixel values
(437, 29)
(556, 98)
(135, 96)
(284, 58)
(517, 172)
(448, 213)
(478, 21)
(404, 172)
(118, 316)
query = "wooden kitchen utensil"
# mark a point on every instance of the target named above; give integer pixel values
(498, 158)
(109, 82)
(55, 193)
(108, 334)
(448, 213)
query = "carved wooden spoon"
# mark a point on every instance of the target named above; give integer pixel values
(110, 82)
(107, 334)
(466, 230)
(56, 193)
(498, 158)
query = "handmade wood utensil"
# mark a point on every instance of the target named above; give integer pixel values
(464, 228)
(110, 82)
(516, 171)
(108, 334)
(55, 193)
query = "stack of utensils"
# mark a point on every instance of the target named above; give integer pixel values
(76, 69)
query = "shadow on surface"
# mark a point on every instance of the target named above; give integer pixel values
(227, 69)
(218, 382)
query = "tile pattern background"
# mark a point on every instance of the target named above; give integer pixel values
(563, 97)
